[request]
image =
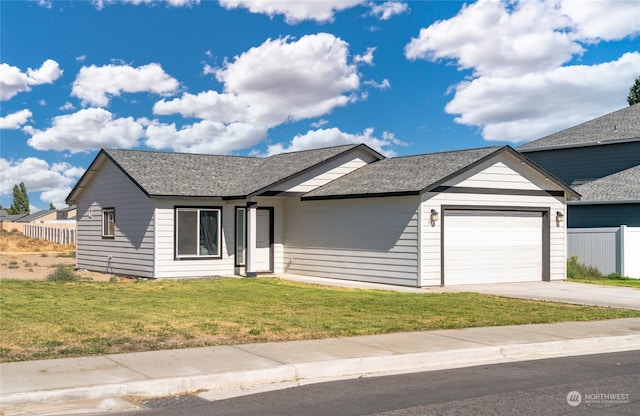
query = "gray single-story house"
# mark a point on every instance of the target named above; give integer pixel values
(345, 212)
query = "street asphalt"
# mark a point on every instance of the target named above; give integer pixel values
(118, 382)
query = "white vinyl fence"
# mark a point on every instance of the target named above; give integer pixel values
(62, 235)
(610, 250)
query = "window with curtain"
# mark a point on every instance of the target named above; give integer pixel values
(198, 232)
(109, 223)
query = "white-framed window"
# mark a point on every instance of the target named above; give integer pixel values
(198, 232)
(241, 233)
(109, 223)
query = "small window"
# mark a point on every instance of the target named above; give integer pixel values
(109, 223)
(198, 232)
(240, 235)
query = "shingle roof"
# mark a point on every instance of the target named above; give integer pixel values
(186, 174)
(621, 186)
(401, 175)
(35, 215)
(183, 174)
(620, 125)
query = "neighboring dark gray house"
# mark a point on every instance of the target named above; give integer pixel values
(599, 159)
(345, 212)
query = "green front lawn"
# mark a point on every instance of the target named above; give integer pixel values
(52, 320)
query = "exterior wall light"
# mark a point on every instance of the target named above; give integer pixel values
(434, 216)
(559, 217)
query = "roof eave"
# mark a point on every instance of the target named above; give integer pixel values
(604, 202)
(91, 170)
(358, 196)
(577, 145)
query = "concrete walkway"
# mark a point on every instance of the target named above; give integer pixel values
(83, 385)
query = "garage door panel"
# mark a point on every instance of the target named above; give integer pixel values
(491, 247)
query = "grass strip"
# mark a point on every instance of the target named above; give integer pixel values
(41, 320)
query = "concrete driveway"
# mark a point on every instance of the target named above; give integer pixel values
(558, 291)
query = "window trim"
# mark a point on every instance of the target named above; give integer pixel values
(242, 262)
(197, 209)
(104, 212)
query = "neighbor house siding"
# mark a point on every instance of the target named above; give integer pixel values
(497, 175)
(131, 251)
(369, 239)
(603, 215)
(325, 173)
(587, 163)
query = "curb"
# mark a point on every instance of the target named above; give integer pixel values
(316, 372)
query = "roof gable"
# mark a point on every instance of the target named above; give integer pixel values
(621, 125)
(413, 175)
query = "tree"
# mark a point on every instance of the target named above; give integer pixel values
(20, 203)
(51, 206)
(634, 93)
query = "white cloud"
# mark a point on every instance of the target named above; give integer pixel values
(386, 10)
(204, 137)
(294, 11)
(13, 81)
(366, 58)
(86, 130)
(528, 107)
(314, 139)
(603, 19)
(67, 106)
(15, 120)
(53, 181)
(99, 4)
(383, 85)
(492, 38)
(278, 81)
(95, 85)
(522, 87)
(319, 123)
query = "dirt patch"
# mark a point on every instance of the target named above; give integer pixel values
(26, 258)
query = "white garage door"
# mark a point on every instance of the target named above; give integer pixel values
(492, 247)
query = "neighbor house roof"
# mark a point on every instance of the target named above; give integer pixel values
(621, 186)
(619, 126)
(412, 175)
(35, 216)
(201, 175)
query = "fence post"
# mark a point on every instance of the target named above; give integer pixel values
(623, 230)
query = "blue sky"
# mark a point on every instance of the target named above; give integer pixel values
(261, 77)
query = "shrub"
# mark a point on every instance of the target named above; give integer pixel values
(576, 270)
(62, 274)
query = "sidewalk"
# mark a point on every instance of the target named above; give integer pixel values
(35, 387)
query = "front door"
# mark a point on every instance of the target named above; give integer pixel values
(264, 240)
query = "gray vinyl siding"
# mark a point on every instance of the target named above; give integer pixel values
(370, 239)
(131, 250)
(591, 162)
(603, 215)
